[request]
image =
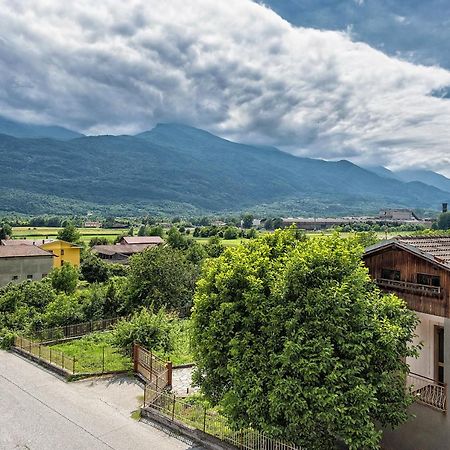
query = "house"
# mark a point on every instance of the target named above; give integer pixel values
(65, 252)
(417, 269)
(23, 262)
(141, 240)
(119, 253)
(398, 214)
(92, 224)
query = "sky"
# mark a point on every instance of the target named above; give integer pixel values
(362, 80)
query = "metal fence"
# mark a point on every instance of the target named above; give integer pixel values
(44, 353)
(105, 361)
(427, 391)
(211, 422)
(74, 331)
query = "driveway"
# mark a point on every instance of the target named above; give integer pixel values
(39, 411)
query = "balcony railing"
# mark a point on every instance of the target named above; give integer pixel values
(427, 391)
(422, 289)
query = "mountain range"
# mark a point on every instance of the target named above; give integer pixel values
(177, 169)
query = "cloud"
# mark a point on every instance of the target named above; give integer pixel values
(234, 68)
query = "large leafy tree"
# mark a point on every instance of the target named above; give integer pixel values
(161, 276)
(69, 233)
(291, 337)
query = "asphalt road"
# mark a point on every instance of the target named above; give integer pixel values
(39, 411)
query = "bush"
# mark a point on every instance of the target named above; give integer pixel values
(94, 270)
(152, 331)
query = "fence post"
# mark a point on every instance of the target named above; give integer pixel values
(73, 366)
(151, 366)
(39, 351)
(103, 359)
(50, 355)
(204, 419)
(62, 360)
(135, 357)
(145, 393)
(173, 408)
(169, 373)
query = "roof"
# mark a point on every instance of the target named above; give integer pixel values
(18, 251)
(123, 249)
(25, 241)
(436, 249)
(142, 240)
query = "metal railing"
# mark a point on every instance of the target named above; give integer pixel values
(44, 353)
(423, 289)
(74, 331)
(211, 422)
(428, 391)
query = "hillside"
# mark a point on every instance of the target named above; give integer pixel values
(24, 130)
(175, 168)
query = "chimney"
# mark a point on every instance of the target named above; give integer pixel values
(444, 207)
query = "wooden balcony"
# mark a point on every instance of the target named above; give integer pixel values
(405, 286)
(427, 391)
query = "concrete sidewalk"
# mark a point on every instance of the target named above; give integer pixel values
(39, 411)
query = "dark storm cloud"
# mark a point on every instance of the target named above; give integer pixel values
(234, 68)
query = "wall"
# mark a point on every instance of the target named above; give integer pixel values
(424, 365)
(23, 266)
(71, 253)
(428, 429)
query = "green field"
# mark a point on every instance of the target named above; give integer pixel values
(94, 354)
(87, 234)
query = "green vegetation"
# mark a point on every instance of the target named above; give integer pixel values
(95, 353)
(292, 338)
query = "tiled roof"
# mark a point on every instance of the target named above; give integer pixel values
(433, 248)
(142, 240)
(15, 251)
(123, 249)
(25, 241)
(438, 246)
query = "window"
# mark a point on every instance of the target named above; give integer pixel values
(62, 262)
(428, 280)
(62, 252)
(439, 354)
(390, 274)
(15, 277)
(29, 277)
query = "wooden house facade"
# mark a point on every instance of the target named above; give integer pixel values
(417, 269)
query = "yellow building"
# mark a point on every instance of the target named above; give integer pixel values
(65, 252)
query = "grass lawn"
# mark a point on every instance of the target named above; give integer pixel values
(51, 232)
(88, 352)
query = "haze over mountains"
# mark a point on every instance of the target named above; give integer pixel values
(179, 169)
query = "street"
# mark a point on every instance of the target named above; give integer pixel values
(39, 411)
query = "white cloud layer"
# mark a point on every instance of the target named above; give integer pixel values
(234, 68)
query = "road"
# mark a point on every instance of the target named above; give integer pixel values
(39, 411)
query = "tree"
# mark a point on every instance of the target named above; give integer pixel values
(5, 231)
(231, 233)
(214, 247)
(65, 278)
(443, 222)
(161, 276)
(64, 310)
(152, 331)
(98, 240)
(177, 240)
(93, 269)
(247, 221)
(291, 337)
(69, 233)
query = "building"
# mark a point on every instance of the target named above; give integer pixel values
(92, 224)
(65, 252)
(417, 269)
(23, 262)
(141, 240)
(312, 224)
(398, 214)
